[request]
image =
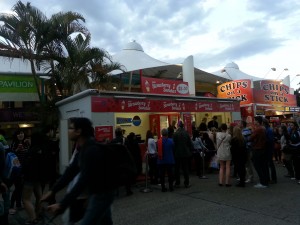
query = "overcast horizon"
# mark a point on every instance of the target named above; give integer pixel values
(256, 35)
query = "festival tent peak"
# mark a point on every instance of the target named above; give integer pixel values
(232, 72)
(133, 58)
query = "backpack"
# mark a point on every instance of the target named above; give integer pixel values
(12, 166)
(119, 166)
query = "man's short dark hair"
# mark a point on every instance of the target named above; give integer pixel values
(259, 119)
(84, 124)
(223, 126)
(118, 132)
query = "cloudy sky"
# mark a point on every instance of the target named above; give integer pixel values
(255, 34)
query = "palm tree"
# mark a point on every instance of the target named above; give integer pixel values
(83, 67)
(71, 63)
(28, 34)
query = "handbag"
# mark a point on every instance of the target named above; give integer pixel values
(214, 163)
(289, 149)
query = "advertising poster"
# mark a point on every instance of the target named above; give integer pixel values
(247, 114)
(104, 133)
(275, 93)
(237, 89)
(166, 87)
(150, 105)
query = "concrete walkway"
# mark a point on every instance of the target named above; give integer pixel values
(206, 203)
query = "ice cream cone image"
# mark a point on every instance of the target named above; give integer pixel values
(147, 86)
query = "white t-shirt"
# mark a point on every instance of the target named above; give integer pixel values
(152, 149)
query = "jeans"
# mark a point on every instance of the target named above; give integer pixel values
(271, 166)
(98, 211)
(260, 162)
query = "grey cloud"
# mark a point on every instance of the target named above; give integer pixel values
(239, 51)
(275, 9)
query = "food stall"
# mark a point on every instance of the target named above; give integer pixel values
(139, 112)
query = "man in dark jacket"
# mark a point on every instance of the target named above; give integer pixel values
(182, 152)
(91, 164)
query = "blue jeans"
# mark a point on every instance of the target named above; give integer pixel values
(98, 211)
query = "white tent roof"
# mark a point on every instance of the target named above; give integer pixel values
(133, 58)
(232, 72)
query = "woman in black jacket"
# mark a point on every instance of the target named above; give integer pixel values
(239, 155)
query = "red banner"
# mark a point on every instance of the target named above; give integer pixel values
(237, 89)
(247, 113)
(103, 133)
(187, 121)
(275, 93)
(100, 104)
(166, 87)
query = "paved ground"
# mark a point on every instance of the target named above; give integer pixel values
(206, 203)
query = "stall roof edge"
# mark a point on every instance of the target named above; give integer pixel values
(119, 94)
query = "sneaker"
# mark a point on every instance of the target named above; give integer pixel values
(248, 181)
(260, 186)
(293, 178)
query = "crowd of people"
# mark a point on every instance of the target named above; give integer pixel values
(237, 147)
(34, 165)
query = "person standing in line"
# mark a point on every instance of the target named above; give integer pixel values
(120, 139)
(287, 157)
(182, 152)
(34, 175)
(133, 146)
(166, 160)
(239, 154)
(213, 123)
(295, 143)
(20, 147)
(224, 155)
(277, 151)
(198, 152)
(270, 152)
(203, 126)
(259, 152)
(171, 129)
(3, 189)
(152, 157)
(246, 132)
(51, 156)
(91, 161)
(211, 150)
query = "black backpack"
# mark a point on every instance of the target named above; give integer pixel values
(119, 166)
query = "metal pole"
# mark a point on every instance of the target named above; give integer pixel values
(146, 189)
(202, 154)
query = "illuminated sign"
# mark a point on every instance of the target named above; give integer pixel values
(275, 93)
(238, 89)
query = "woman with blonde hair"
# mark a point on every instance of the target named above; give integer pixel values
(224, 155)
(239, 154)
